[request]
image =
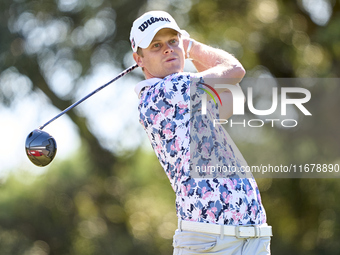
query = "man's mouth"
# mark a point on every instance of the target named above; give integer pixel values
(170, 60)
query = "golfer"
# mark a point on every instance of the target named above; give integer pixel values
(217, 214)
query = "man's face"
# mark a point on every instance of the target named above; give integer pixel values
(164, 56)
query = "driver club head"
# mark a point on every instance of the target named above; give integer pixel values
(41, 147)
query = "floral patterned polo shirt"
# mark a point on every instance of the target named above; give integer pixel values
(164, 112)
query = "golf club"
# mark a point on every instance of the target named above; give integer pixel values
(40, 146)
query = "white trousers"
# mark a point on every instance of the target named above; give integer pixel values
(190, 243)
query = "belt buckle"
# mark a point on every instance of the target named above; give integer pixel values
(237, 231)
(257, 231)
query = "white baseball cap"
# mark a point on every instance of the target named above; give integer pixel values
(146, 27)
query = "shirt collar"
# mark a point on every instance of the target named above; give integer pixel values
(145, 83)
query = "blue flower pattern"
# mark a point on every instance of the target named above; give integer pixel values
(165, 114)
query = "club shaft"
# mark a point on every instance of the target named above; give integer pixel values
(126, 71)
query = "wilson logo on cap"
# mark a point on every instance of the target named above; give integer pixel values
(151, 21)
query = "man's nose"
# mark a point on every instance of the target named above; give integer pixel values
(168, 48)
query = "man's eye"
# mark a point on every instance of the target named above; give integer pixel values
(173, 41)
(156, 45)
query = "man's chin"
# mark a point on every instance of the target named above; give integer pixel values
(167, 72)
(174, 70)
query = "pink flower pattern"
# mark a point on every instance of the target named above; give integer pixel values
(167, 113)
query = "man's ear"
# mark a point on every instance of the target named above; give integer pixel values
(138, 59)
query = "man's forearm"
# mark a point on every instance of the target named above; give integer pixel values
(205, 57)
(216, 63)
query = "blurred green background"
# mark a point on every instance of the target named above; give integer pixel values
(108, 194)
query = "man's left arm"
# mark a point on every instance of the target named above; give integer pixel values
(232, 68)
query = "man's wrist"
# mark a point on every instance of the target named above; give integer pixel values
(189, 48)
